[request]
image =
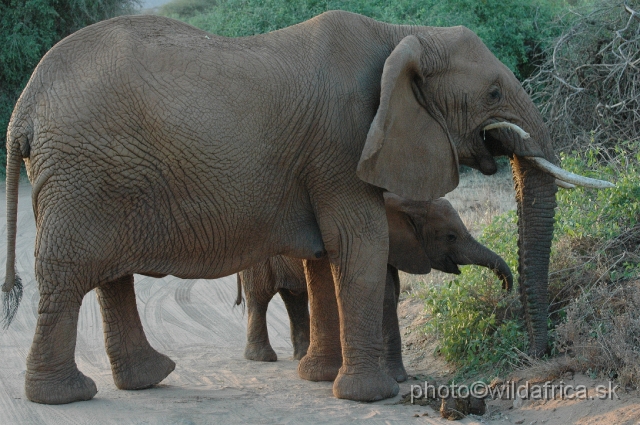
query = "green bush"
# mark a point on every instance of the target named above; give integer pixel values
(512, 29)
(470, 317)
(29, 28)
(601, 214)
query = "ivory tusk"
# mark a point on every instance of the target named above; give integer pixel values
(509, 125)
(568, 177)
(565, 185)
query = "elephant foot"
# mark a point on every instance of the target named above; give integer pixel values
(368, 386)
(314, 368)
(260, 353)
(141, 369)
(396, 371)
(53, 390)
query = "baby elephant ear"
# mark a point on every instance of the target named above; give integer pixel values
(407, 151)
(405, 247)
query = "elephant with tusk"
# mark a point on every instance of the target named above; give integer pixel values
(422, 236)
(157, 148)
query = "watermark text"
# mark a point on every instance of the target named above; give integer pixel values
(510, 390)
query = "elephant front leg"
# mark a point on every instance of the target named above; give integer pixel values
(324, 356)
(134, 363)
(52, 376)
(360, 302)
(297, 304)
(391, 328)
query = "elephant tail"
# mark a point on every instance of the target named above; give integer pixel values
(12, 288)
(239, 299)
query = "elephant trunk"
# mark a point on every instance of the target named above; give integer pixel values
(480, 255)
(535, 197)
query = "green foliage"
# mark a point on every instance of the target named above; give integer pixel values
(29, 28)
(468, 317)
(601, 214)
(596, 235)
(511, 28)
(187, 8)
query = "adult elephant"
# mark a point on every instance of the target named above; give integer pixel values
(157, 148)
(422, 236)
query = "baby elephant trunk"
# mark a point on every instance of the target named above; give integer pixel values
(480, 255)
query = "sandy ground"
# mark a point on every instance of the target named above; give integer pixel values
(195, 323)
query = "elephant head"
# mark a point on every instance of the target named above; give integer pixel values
(446, 100)
(426, 235)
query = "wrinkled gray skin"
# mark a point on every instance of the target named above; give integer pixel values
(156, 148)
(423, 235)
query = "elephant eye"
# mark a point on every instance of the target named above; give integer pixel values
(451, 237)
(495, 94)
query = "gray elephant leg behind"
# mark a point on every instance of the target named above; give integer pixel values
(297, 304)
(134, 363)
(259, 288)
(292, 285)
(391, 327)
(277, 275)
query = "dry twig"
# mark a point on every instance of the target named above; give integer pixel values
(589, 88)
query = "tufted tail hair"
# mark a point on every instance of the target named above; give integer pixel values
(11, 302)
(12, 287)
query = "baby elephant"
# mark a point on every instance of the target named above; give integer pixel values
(422, 236)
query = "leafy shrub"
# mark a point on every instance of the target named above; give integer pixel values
(29, 28)
(597, 237)
(511, 28)
(472, 319)
(187, 8)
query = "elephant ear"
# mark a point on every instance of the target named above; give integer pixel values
(405, 248)
(408, 151)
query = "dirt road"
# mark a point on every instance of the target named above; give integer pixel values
(195, 323)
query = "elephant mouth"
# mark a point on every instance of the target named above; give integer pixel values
(451, 266)
(501, 138)
(481, 157)
(492, 144)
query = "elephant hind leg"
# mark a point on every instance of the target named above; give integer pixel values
(258, 346)
(52, 376)
(134, 363)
